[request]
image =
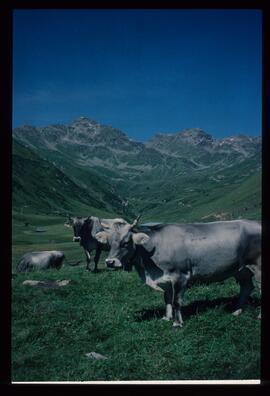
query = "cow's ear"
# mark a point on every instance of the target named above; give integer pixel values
(119, 222)
(105, 226)
(67, 225)
(102, 237)
(140, 238)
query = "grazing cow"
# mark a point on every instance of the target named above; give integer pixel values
(85, 229)
(171, 257)
(40, 260)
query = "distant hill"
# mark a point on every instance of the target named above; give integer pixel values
(187, 175)
(41, 187)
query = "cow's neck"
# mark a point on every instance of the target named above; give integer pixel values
(89, 243)
(144, 264)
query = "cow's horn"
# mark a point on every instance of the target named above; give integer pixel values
(135, 222)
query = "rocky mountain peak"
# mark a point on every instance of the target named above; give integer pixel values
(83, 122)
(242, 139)
(192, 136)
(89, 128)
(185, 133)
(195, 136)
(84, 126)
(93, 140)
(25, 128)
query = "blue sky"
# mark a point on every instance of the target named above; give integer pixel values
(143, 71)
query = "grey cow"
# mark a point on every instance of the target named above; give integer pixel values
(171, 257)
(85, 229)
(40, 260)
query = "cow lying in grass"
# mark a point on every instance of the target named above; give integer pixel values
(40, 261)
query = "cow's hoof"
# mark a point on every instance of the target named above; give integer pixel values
(237, 312)
(177, 324)
(166, 318)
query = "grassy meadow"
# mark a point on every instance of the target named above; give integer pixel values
(114, 314)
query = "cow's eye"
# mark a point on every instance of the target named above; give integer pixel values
(125, 244)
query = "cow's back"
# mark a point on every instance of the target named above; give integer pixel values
(194, 238)
(206, 249)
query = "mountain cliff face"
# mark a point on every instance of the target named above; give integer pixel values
(81, 132)
(90, 143)
(201, 145)
(165, 174)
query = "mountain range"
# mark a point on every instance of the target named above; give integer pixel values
(87, 167)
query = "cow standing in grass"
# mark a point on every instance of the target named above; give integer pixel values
(85, 229)
(171, 257)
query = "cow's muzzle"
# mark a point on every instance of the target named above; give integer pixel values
(76, 239)
(113, 263)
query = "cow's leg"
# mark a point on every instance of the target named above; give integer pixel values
(88, 260)
(179, 290)
(244, 277)
(96, 258)
(256, 270)
(168, 298)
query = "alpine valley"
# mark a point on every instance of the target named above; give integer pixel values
(84, 168)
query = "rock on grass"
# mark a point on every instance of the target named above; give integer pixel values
(47, 284)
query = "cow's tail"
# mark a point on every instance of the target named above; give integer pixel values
(73, 263)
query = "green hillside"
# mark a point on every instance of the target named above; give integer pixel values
(225, 203)
(39, 187)
(84, 166)
(207, 195)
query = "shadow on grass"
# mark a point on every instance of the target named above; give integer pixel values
(196, 307)
(91, 271)
(98, 270)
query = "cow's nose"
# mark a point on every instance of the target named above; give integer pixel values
(76, 239)
(109, 262)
